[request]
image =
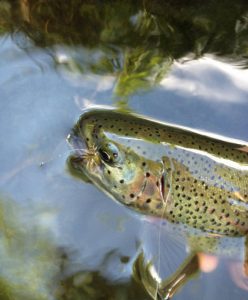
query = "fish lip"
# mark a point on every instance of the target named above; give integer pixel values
(77, 144)
(76, 159)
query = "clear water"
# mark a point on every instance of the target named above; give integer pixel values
(180, 62)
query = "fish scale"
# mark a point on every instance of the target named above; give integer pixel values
(200, 166)
(144, 129)
(207, 188)
(204, 206)
(193, 180)
(199, 186)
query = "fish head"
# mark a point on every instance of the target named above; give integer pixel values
(111, 167)
(110, 163)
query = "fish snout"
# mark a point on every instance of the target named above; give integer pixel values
(77, 144)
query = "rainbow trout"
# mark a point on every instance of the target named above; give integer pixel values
(166, 171)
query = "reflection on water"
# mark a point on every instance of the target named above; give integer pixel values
(136, 42)
(33, 267)
(29, 258)
(180, 61)
(92, 285)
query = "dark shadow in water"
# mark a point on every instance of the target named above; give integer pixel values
(33, 267)
(92, 285)
(136, 41)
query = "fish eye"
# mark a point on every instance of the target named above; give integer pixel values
(104, 155)
(109, 153)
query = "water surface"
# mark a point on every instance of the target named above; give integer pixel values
(180, 61)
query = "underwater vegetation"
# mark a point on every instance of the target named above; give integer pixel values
(136, 41)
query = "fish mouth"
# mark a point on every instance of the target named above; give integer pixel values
(83, 155)
(77, 144)
(84, 164)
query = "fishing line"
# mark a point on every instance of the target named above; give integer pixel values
(160, 227)
(78, 151)
(42, 163)
(37, 160)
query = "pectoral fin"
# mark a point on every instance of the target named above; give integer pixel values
(145, 274)
(172, 284)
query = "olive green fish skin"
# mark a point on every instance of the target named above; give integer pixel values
(166, 171)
